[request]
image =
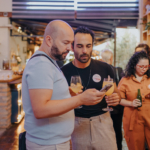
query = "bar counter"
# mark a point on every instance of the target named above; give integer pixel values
(14, 78)
(10, 101)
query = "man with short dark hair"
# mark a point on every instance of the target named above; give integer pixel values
(93, 126)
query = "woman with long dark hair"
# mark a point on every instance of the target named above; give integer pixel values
(136, 119)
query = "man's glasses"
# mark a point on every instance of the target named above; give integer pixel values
(143, 66)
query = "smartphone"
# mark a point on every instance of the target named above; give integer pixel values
(106, 88)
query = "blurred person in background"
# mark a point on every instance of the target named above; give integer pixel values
(136, 117)
(144, 47)
(117, 113)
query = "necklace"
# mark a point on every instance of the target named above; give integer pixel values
(85, 87)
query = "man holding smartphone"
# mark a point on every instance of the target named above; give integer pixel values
(48, 105)
(93, 126)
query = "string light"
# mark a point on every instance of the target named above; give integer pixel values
(19, 86)
(20, 111)
(19, 101)
(19, 117)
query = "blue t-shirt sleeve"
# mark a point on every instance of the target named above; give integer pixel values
(40, 76)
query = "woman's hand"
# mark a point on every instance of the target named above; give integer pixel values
(135, 103)
(113, 100)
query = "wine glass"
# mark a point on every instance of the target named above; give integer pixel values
(109, 92)
(76, 85)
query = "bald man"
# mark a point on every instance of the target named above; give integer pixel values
(48, 106)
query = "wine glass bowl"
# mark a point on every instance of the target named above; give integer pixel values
(76, 84)
(109, 92)
(105, 82)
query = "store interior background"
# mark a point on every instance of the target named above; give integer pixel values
(21, 34)
(16, 40)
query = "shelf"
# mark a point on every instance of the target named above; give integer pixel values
(145, 42)
(145, 20)
(145, 35)
(146, 14)
(148, 40)
(145, 31)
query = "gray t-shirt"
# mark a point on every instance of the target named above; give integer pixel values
(41, 73)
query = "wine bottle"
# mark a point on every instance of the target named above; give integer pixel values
(139, 97)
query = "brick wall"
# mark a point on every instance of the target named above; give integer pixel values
(5, 105)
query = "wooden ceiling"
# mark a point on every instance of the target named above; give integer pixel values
(101, 16)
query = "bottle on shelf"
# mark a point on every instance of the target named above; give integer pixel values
(5, 64)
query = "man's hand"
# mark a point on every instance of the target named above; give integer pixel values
(91, 97)
(113, 99)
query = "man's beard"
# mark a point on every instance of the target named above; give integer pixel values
(56, 53)
(78, 57)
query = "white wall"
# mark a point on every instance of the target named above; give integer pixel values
(4, 40)
(5, 5)
(9, 43)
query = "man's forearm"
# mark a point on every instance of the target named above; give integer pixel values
(44, 107)
(52, 108)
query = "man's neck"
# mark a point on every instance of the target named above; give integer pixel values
(79, 64)
(45, 50)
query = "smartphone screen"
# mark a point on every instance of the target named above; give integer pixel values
(106, 88)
